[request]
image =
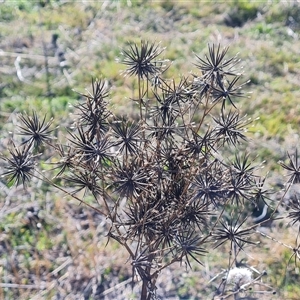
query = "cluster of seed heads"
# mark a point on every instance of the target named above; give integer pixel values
(173, 184)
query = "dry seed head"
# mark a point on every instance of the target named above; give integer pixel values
(239, 276)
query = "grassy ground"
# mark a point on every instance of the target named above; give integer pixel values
(50, 247)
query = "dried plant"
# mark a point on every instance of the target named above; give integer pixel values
(162, 181)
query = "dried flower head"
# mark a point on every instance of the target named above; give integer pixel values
(239, 276)
(88, 150)
(93, 113)
(37, 131)
(20, 165)
(232, 231)
(242, 167)
(67, 159)
(127, 136)
(230, 127)
(294, 214)
(226, 91)
(131, 179)
(215, 67)
(86, 181)
(141, 60)
(189, 245)
(209, 186)
(293, 167)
